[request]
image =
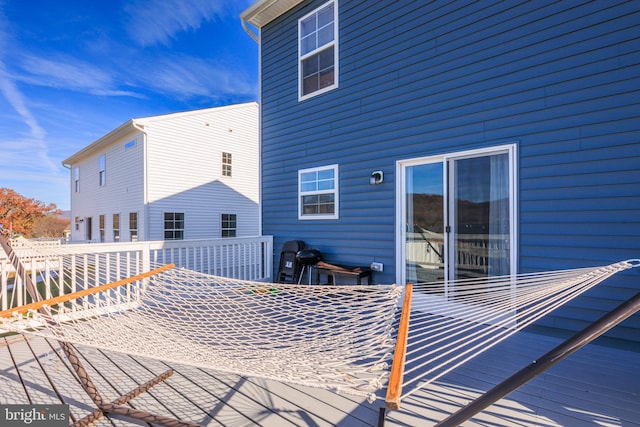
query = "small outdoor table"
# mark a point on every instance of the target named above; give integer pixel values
(334, 272)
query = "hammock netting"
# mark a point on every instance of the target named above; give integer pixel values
(340, 338)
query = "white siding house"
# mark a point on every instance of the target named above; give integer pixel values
(188, 175)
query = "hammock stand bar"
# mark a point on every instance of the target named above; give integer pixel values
(85, 381)
(98, 413)
(394, 389)
(566, 348)
(83, 293)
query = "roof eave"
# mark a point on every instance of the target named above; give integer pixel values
(107, 139)
(262, 12)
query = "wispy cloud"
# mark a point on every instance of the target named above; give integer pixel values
(31, 151)
(35, 138)
(151, 22)
(68, 73)
(16, 100)
(184, 77)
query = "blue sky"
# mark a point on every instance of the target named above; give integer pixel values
(73, 70)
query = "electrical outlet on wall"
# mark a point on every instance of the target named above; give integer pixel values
(377, 266)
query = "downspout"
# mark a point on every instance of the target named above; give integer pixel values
(256, 38)
(260, 138)
(252, 34)
(71, 219)
(145, 189)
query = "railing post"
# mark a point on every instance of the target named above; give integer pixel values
(146, 256)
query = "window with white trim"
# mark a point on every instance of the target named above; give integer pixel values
(173, 226)
(226, 164)
(318, 50)
(133, 226)
(101, 227)
(76, 179)
(318, 193)
(116, 227)
(228, 225)
(102, 174)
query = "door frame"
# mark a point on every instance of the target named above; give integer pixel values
(400, 211)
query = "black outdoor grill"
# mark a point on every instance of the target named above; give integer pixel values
(307, 259)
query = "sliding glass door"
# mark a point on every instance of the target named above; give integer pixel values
(458, 216)
(479, 207)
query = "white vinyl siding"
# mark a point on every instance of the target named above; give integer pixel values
(184, 157)
(125, 192)
(171, 163)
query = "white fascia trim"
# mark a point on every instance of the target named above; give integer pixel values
(262, 12)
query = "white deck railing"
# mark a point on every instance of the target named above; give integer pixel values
(83, 265)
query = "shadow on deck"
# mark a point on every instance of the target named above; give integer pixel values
(595, 386)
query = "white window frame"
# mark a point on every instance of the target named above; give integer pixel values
(101, 227)
(226, 220)
(318, 49)
(102, 170)
(115, 218)
(227, 164)
(335, 191)
(401, 165)
(133, 231)
(76, 179)
(174, 229)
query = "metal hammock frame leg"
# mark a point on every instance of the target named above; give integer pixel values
(87, 384)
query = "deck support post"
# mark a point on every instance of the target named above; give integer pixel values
(382, 415)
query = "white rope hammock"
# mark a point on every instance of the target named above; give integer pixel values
(335, 337)
(339, 338)
(452, 324)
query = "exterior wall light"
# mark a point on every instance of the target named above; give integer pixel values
(376, 178)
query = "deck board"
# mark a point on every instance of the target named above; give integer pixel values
(11, 387)
(597, 386)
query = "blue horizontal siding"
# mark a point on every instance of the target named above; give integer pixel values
(560, 79)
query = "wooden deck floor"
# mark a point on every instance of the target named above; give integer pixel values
(597, 386)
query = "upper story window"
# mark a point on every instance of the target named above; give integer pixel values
(173, 226)
(318, 50)
(226, 164)
(76, 179)
(102, 167)
(318, 193)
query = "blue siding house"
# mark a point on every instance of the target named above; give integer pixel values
(447, 140)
